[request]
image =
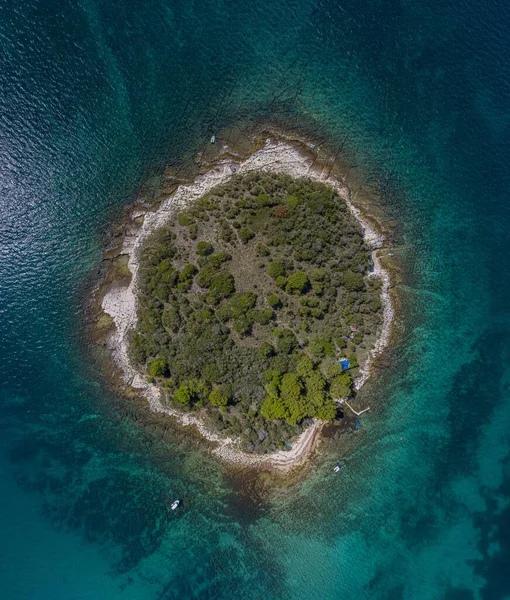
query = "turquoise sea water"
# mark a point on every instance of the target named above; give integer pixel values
(97, 96)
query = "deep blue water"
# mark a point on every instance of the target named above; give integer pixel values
(97, 96)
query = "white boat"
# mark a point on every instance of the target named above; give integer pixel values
(337, 468)
(213, 139)
(175, 504)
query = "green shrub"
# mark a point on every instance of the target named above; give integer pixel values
(330, 367)
(242, 325)
(204, 248)
(263, 200)
(170, 277)
(276, 269)
(320, 347)
(227, 234)
(353, 360)
(171, 319)
(341, 386)
(217, 398)
(274, 301)
(138, 349)
(183, 394)
(327, 412)
(184, 219)
(281, 281)
(318, 288)
(263, 250)
(188, 272)
(223, 283)
(375, 305)
(353, 282)
(216, 260)
(305, 367)
(189, 391)
(184, 286)
(292, 398)
(246, 234)
(280, 363)
(205, 277)
(262, 317)
(224, 313)
(317, 274)
(297, 283)
(286, 341)
(272, 408)
(193, 231)
(211, 372)
(157, 368)
(203, 315)
(241, 303)
(266, 350)
(315, 382)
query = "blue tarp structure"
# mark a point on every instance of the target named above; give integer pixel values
(344, 363)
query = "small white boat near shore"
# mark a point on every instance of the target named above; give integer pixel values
(175, 504)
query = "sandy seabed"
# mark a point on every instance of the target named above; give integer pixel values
(120, 302)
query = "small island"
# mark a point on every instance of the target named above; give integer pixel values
(255, 306)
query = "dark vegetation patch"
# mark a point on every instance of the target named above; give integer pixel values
(247, 301)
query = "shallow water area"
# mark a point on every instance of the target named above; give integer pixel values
(95, 98)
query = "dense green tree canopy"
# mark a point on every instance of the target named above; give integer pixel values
(249, 298)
